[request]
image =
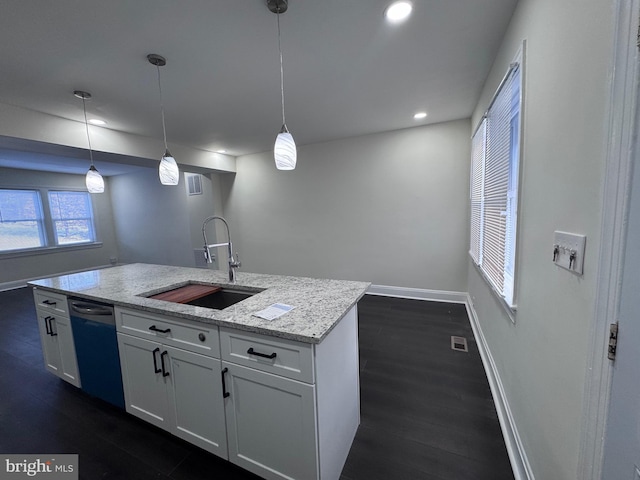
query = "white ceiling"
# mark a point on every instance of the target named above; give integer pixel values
(347, 72)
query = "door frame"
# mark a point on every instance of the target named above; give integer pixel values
(621, 147)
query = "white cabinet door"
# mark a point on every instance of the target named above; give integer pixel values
(195, 399)
(145, 390)
(68, 361)
(50, 348)
(57, 346)
(271, 425)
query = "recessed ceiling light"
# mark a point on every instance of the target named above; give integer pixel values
(221, 151)
(420, 115)
(398, 11)
(97, 121)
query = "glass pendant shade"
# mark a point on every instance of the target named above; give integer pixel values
(94, 181)
(284, 151)
(168, 170)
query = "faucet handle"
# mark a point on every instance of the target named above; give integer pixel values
(235, 261)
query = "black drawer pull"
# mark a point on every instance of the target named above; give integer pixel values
(155, 362)
(251, 351)
(165, 373)
(49, 302)
(225, 394)
(156, 329)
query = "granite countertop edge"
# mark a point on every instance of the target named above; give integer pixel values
(319, 304)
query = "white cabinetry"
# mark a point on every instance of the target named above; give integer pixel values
(271, 414)
(56, 335)
(271, 424)
(173, 388)
(279, 408)
(293, 408)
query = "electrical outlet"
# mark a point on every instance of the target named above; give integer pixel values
(568, 251)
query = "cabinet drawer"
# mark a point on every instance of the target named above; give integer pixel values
(51, 302)
(188, 335)
(279, 356)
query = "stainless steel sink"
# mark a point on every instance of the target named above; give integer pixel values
(205, 295)
(222, 298)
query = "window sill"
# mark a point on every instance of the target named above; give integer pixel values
(48, 250)
(510, 310)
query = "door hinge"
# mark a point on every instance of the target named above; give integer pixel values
(613, 341)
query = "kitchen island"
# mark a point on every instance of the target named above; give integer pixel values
(277, 397)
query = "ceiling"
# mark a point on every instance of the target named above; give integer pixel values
(347, 71)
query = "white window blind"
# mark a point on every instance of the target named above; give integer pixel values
(494, 186)
(477, 186)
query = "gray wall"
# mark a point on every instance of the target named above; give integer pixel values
(389, 208)
(200, 207)
(542, 358)
(160, 224)
(15, 268)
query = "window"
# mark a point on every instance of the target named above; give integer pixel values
(495, 162)
(72, 217)
(21, 223)
(38, 219)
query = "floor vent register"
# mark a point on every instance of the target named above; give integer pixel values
(459, 344)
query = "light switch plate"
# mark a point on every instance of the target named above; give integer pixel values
(566, 243)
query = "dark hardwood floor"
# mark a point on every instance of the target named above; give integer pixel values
(427, 411)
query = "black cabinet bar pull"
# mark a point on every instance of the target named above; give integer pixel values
(251, 351)
(155, 362)
(159, 330)
(46, 325)
(165, 373)
(51, 319)
(49, 302)
(225, 394)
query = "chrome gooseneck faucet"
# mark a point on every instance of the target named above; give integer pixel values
(233, 262)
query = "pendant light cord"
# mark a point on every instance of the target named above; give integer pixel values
(86, 124)
(281, 68)
(164, 128)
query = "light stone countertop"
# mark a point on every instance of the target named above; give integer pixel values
(320, 303)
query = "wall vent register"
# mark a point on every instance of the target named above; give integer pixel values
(194, 183)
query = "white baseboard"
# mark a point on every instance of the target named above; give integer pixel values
(418, 294)
(23, 283)
(517, 455)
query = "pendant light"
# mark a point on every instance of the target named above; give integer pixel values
(284, 150)
(93, 180)
(168, 169)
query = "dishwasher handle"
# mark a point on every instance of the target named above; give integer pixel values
(90, 309)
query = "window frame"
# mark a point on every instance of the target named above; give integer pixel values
(506, 292)
(40, 220)
(48, 231)
(91, 218)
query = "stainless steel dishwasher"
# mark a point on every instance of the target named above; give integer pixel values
(94, 336)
